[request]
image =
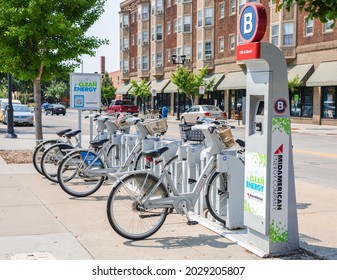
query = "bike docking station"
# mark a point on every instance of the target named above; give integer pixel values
(270, 214)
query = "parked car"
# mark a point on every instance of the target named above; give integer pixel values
(122, 106)
(55, 109)
(3, 104)
(21, 115)
(199, 111)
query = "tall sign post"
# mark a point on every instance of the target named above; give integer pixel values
(269, 197)
(85, 94)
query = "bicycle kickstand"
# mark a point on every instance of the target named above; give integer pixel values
(190, 222)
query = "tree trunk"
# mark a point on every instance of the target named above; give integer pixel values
(37, 110)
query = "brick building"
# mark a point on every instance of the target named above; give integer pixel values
(205, 32)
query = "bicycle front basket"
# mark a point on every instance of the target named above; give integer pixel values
(226, 136)
(155, 126)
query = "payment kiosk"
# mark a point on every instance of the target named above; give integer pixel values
(269, 187)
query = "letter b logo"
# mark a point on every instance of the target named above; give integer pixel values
(280, 106)
(247, 23)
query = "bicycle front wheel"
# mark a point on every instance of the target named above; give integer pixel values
(80, 173)
(38, 153)
(126, 212)
(51, 159)
(217, 196)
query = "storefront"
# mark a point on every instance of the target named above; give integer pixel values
(324, 81)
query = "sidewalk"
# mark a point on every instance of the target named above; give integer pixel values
(39, 221)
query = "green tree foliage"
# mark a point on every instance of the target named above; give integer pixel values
(43, 39)
(141, 91)
(294, 84)
(57, 90)
(324, 10)
(189, 82)
(108, 91)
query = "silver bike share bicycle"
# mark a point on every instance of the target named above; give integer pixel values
(140, 201)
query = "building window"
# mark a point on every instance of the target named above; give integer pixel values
(240, 42)
(168, 27)
(152, 7)
(187, 52)
(275, 35)
(126, 43)
(327, 26)
(168, 3)
(329, 102)
(301, 101)
(159, 33)
(308, 27)
(199, 18)
(208, 16)
(145, 12)
(241, 3)
(133, 39)
(133, 17)
(138, 62)
(152, 61)
(139, 36)
(159, 60)
(208, 50)
(199, 51)
(187, 23)
(221, 44)
(232, 7)
(222, 10)
(145, 36)
(125, 20)
(126, 65)
(231, 42)
(179, 24)
(288, 34)
(159, 6)
(145, 63)
(133, 63)
(175, 26)
(168, 54)
(152, 33)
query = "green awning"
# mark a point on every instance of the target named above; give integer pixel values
(303, 71)
(325, 75)
(171, 87)
(234, 80)
(217, 79)
(159, 85)
(123, 88)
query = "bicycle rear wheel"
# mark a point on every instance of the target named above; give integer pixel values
(79, 173)
(38, 153)
(217, 196)
(125, 210)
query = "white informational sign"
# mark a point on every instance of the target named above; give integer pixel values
(202, 90)
(85, 91)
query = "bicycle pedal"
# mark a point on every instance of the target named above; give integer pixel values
(192, 223)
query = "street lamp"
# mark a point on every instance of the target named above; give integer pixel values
(178, 60)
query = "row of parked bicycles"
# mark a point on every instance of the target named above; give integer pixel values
(145, 184)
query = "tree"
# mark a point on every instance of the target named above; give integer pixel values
(189, 83)
(294, 84)
(324, 10)
(43, 39)
(141, 91)
(107, 89)
(57, 90)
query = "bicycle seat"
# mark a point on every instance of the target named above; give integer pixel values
(72, 133)
(155, 152)
(62, 132)
(98, 143)
(241, 143)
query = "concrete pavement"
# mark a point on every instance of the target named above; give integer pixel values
(39, 221)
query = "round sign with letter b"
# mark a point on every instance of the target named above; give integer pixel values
(252, 22)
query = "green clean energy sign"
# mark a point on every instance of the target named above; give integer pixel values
(85, 91)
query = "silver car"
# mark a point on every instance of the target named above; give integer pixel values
(21, 115)
(200, 111)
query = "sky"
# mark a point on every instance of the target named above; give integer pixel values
(107, 27)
